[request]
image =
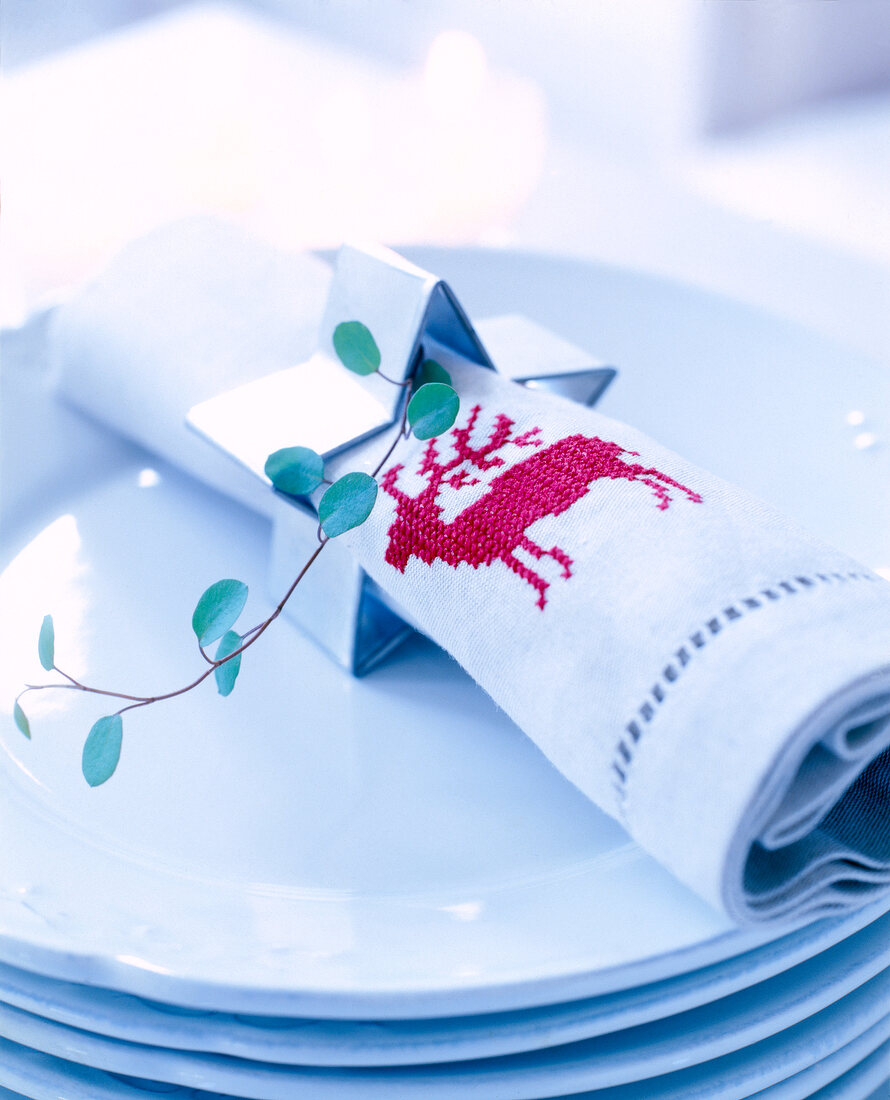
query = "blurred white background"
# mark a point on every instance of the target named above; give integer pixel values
(742, 145)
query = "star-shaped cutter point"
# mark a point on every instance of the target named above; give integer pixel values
(317, 403)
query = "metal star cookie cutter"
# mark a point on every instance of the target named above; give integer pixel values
(319, 404)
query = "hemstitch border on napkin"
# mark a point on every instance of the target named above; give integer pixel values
(698, 639)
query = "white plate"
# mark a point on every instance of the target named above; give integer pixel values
(560, 1072)
(867, 1081)
(417, 1042)
(394, 847)
(858, 1064)
(854, 1084)
(657, 1048)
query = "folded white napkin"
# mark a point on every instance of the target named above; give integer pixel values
(705, 671)
(186, 313)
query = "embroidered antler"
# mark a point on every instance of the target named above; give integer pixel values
(478, 456)
(436, 472)
(388, 483)
(493, 526)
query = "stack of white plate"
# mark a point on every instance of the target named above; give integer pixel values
(324, 887)
(764, 1025)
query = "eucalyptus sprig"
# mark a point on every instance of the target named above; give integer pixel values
(297, 472)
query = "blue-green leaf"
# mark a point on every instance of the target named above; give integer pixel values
(46, 643)
(356, 348)
(227, 674)
(347, 503)
(21, 720)
(295, 470)
(217, 610)
(433, 410)
(431, 371)
(102, 750)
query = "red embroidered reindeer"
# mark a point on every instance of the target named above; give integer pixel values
(546, 483)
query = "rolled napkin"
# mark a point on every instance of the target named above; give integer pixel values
(704, 670)
(190, 311)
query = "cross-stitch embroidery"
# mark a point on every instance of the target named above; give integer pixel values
(546, 483)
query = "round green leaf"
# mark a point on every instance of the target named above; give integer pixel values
(218, 609)
(431, 371)
(102, 750)
(46, 643)
(347, 503)
(433, 410)
(227, 674)
(21, 720)
(295, 470)
(356, 348)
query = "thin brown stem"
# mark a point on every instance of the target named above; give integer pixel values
(81, 687)
(257, 633)
(147, 700)
(248, 638)
(170, 694)
(401, 433)
(393, 382)
(67, 677)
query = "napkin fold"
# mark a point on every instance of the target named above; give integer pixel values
(707, 672)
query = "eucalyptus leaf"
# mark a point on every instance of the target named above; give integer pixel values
(102, 750)
(433, 410)
(217, 610)
(431, 371)
(21, 720)
(295, 470)
(226, 675)
(46, 643)
(356, 348)
(347, 503)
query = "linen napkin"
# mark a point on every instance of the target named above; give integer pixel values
(704, 670)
